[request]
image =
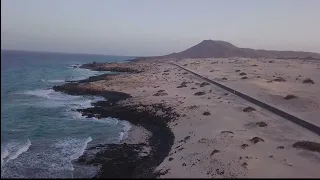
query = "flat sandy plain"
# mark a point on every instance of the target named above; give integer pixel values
(214, 136)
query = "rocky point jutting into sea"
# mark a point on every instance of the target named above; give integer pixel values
(127, 159)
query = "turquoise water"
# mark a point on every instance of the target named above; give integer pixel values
(41, 133)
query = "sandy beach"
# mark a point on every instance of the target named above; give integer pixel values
(214, 136)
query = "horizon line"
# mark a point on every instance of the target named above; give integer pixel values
(59, 52)
(136, 56)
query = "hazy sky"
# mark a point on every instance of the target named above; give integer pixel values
(156, 27)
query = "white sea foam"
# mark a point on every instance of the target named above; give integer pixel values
(53, 80)
(13, 150)
(80, 150)
(15, 130)
(53, 161)
(81, 74)
(43, 93)
(71, 149)
(56, 80)
(52, 99)
(126, 127)
(78, 116)
(74, 65)
(4, 154)
(21, 150)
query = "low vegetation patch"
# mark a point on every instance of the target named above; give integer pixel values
(184, 84)
(244, 77)
(206, 113)
(223, 132)
(261, 124)
(186, 138)
(214, 152)
(245, 164)
(308, 81)
(290, 96)
(199, 93)
(181, 86)
(243, 74)
(307, 145)
(243, 146)
(256, 140)
(192, 107)
(204, 84)
(161, 93)
(249, 109)
(279, 79)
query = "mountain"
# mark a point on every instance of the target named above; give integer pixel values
(222, 49)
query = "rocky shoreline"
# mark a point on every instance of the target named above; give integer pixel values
(114, 67)
(125, 160)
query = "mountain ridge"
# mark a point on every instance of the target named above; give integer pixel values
(222, 49)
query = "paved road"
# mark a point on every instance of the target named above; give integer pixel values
(311, 127)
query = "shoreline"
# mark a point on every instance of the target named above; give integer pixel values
(194, 129)
(136, 135)
(146, 153)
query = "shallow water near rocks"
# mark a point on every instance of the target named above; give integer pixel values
(41, 131)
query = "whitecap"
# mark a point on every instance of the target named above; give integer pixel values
(79, 116)
(82, 73)
(52, 99)
(121, 135)
(43, 93)
(79, 152)
(13, 150)
(56, 80)
(126, 128)
(21, 150)
(74, 66)
(71, 149)
(4, 154)
(54, 161)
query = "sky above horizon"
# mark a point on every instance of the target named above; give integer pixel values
(157, 27)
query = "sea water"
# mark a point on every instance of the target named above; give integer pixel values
(41, 133)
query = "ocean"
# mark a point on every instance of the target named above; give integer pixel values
(41, 133)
